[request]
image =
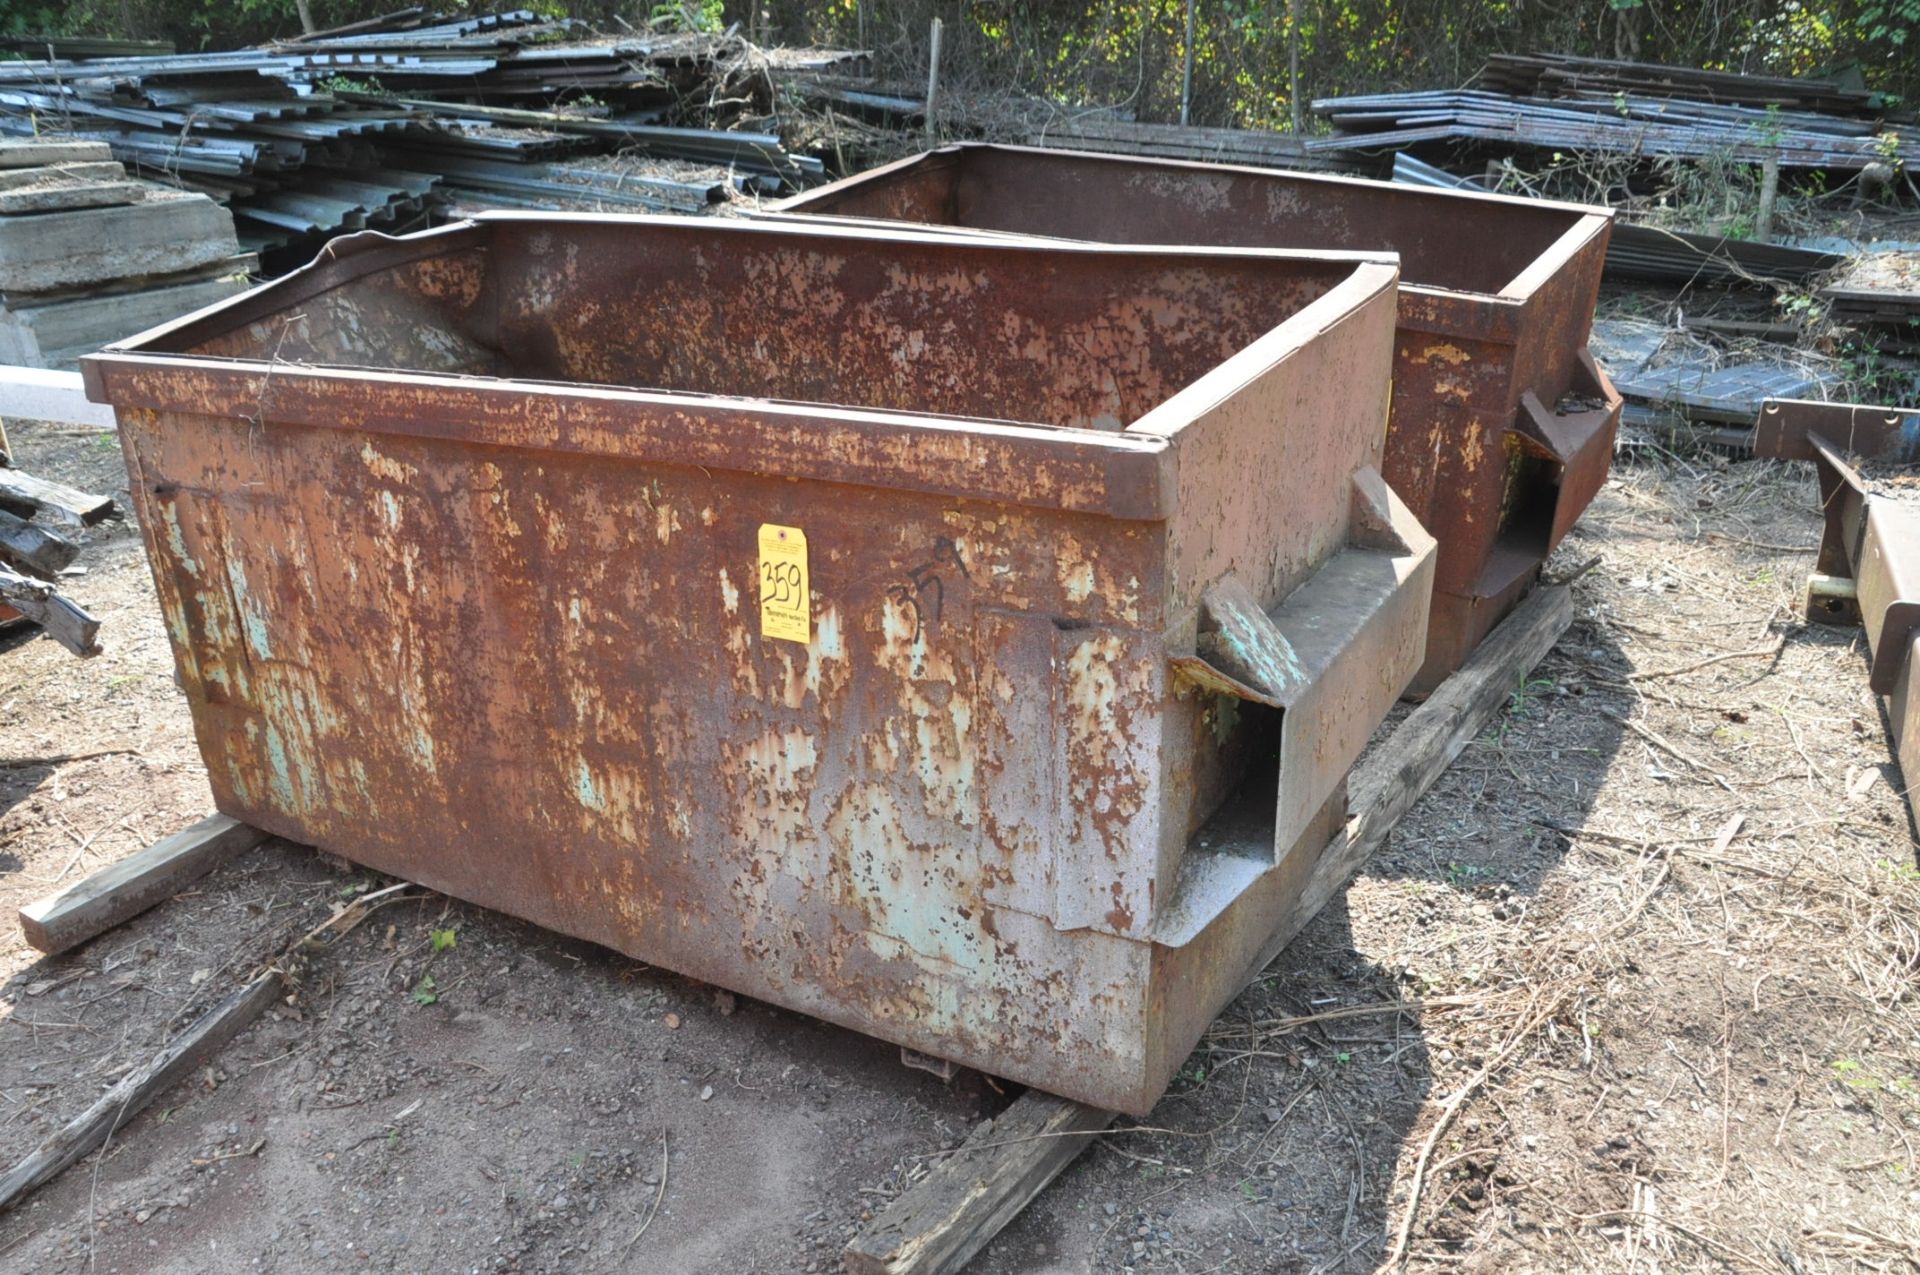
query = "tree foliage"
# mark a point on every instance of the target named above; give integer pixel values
(1099, 52)
(1129, 52)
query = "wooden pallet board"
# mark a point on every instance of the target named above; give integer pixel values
(130, 1096)
(123, 890)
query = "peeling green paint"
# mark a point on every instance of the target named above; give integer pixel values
(176, 540)
(251, 620)
(590, 794)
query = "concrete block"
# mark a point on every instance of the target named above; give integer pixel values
(52, 196)
(55, 335)
(35, 154)
(165, 232)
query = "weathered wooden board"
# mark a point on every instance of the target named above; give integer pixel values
(25, 154)
(24, 496)
(56, 196)
(65, 622)
(970, 1196)
(39, 550)
(164, 232)
(20, 178)
(139, 1087)
(121, 891)
(57, 333)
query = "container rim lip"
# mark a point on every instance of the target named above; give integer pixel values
(880, 172)
(1588, 219)
(1125, 440)
(866, 231)
(1116, 473)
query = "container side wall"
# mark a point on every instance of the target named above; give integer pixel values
(539, 682)
(1265, 496)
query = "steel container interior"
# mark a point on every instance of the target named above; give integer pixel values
(459, 540)
(1502, 426)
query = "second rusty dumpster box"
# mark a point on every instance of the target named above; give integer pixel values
(1502, 427)
(963, 643)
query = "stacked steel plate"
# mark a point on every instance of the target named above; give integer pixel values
(377, 125)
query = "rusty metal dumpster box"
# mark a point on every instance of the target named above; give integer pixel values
(1502, 426)
(962, 643)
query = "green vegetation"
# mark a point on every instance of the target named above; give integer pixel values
(1128, 53)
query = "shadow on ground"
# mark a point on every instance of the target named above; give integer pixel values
(1277, 1147)
(553, 1100)
(19, 780)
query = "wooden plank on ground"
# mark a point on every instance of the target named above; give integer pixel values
(24, 495)
(121, 891)
(938, 1225)
(38, 549)
(139, 1087)
(64, 620)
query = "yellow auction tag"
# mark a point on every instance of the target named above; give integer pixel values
(786, 606)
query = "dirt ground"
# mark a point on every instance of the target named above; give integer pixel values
(1645, 960)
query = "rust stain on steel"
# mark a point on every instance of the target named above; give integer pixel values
(1872, 540)
(1502, 427)
(456, 541)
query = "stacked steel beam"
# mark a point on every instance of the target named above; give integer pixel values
(367, 126)
(1618, 124)
(1260, 148)
(1561, 75)
(1880, 294)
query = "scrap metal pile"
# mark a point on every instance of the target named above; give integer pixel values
(1542, 75)
(1882, 295)
(1640, 132)
(1613, 121)
(371, 126)
(42, 525)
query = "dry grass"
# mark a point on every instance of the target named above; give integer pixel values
(1732, 928)
(1633, 990)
